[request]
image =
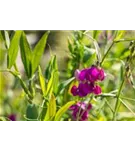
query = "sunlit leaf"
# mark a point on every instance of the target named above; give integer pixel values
(50, 84)
(63, 85)
(119, 35)
(63, 109)
(13, 49)
(26, 55)
(42, 81)
(51, 110)
(38, 51)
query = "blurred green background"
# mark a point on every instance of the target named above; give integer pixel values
(12, 99)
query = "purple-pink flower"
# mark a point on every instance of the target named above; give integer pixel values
(74, 90)
(81, 111)
(97, 90)
(88, 81)
(81, 75)
(12, 117)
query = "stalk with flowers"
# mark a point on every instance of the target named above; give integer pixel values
(86, 92)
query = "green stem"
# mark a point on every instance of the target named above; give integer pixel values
(126, 98)
(31, 87)
(106, 53)
(106, 95)
(109, 106)
(43, 110)
(125, 40)
(17, 75)
(127, 107)
(16, 68)
(113, 42)
(118, 99)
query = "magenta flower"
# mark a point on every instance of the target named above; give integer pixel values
(74, 90)
(12, 117)
(77, 73)
(81, 75)
(87, 78)
(97, 90)
(81, 111)
(84, 89)
(101, 75)
(94, 74)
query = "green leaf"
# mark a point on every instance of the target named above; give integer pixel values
(52, 75)
(50, 85)
(13, 49)
(31, 112)
(70, 47)
(38, 51)
(26, 55)
(7, 39)
(56, 75)
(63, 85)
(89, 56)
(51, 110)
(42, 81)
(50, 68)
(119, 35)
(62, 110)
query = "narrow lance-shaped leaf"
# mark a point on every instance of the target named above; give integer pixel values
(13, 49)
(63, 109)
(2, 41)
(50, 85)
(63, 85)
(7, 39)
(26, 54)
(56, 76)
(51, 110)
(48, 70)
(38, 51)
(42, 81)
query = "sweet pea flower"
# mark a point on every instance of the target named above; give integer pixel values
(81, 75)
(94, 74)
(74, 90)
(97, 90)
(81, 111)
(88, 81)
(12, 117)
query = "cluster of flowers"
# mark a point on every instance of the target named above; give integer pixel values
(88, 81)
(80, 111)
(87, 84)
